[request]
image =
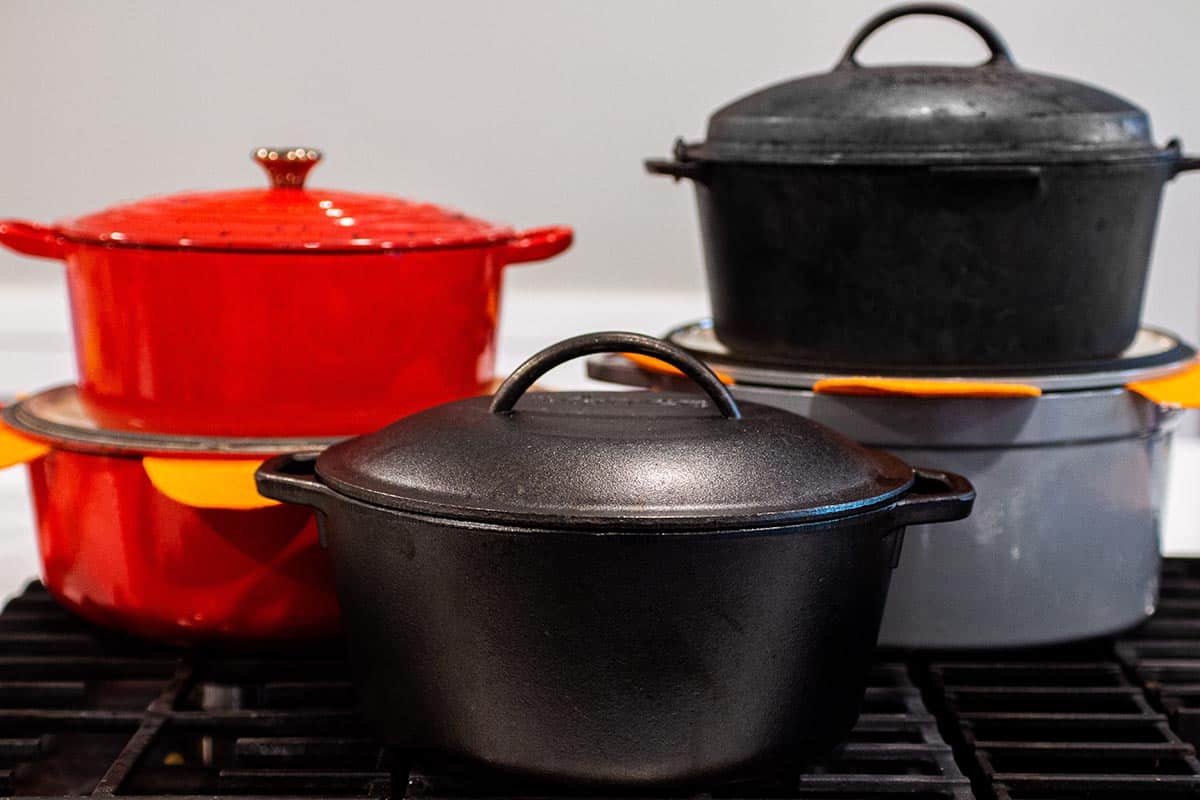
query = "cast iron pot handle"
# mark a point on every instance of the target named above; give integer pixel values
(681, 167)
(995, 42)
(1182, 163)
(936, 496)
(292, 478)
(612, 342)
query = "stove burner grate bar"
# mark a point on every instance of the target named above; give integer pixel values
(1164, 654)
(1062, 727)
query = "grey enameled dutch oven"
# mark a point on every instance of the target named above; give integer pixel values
(1063, 542)
(615, 588)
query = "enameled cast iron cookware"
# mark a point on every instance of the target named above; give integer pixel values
(614, 588)
(165, 537)
(311, 312)
(1063, 542)
(926, 215)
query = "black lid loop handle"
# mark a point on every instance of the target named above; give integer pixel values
(994, 41)
(588, 344)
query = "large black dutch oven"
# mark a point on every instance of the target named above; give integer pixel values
(925, 215)
(612, 587)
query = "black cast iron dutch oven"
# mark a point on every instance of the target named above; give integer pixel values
(928, 215)
(617, 588)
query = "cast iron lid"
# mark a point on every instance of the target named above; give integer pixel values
(284, 216)
(915, 113)
(614, 460)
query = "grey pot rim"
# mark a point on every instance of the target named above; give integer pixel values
(1154, 353)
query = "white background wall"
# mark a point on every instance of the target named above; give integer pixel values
(526, 111)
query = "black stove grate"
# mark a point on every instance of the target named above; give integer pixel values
(1164, 654)
(86, 712)
(1060, 727)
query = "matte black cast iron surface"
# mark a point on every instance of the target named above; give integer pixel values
(626, 588)
(88, 714)
(928, 215)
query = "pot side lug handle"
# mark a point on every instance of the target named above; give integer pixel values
(935, 497)
(33, 239)
(292, 478)
(682, 166)
(538, 244)
(17, 448)
(1182, 163)
(692, 170)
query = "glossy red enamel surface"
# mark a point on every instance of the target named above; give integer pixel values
(269, 344)
(283, 219)
(119, 553)
(284, 216)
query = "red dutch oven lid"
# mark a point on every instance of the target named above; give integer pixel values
(288, 216)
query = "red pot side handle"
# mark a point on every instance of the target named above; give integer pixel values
(537, 244)
(33, 239)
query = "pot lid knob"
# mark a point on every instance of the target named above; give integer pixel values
(287, 166)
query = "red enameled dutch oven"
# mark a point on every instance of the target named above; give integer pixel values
(283, 311)
(166, 537)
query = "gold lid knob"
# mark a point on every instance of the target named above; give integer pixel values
(287, 166)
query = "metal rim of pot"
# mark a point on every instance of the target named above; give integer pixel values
(56, 416)
(1155, 353)
(899, 423)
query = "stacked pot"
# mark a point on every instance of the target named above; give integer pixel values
(924, 216)
(964, 227)
(212, 330)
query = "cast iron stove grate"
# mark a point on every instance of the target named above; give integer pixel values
(1164, 654)
(84, 712)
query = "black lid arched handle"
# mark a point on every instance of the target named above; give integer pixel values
(588, 344)
(994, 41)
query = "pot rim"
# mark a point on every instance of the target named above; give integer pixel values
(899, 424)
(294, 478)
(291, 249)
(859, 517)
(655, 526)
(55, 416)
(1166, 354)
(710, 152)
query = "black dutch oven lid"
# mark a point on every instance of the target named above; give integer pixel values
(614, 460)
(912, 113)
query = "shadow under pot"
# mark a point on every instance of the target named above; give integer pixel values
(925, 215)
(614, 588)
